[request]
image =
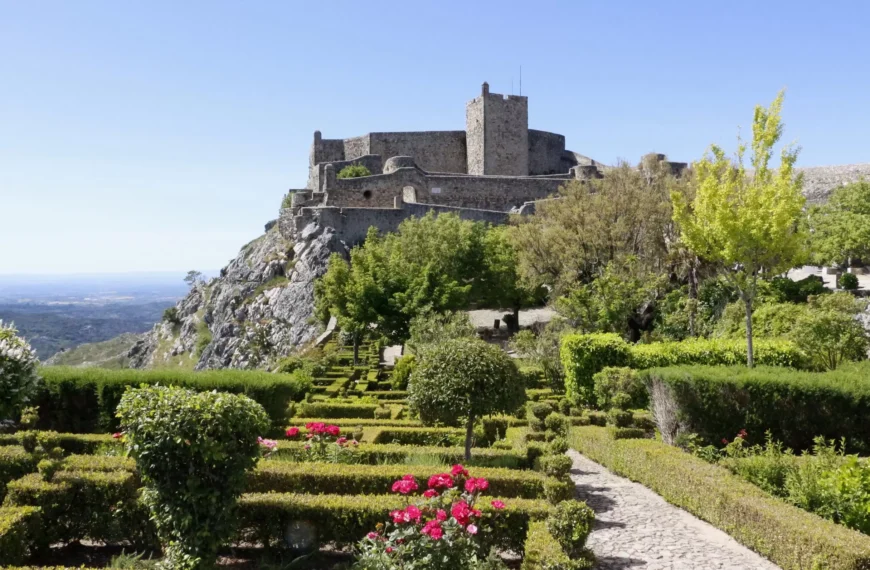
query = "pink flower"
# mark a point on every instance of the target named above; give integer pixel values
(270, 444)
(414, 513)
(441, 515)
(334, 431)
(498, 505)
(433, 529)
(430, 493)
(742, 434)
(389, 549)
(461, 512)
(725, 440)
(354, 442)
(372, 535)
(472, 485)
(117, 435)
(306, 447)
(341, 441)
(459, 470)
(440, 481)
(405, 485)
(471, 529)
(292, 432)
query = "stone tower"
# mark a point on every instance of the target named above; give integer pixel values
(497, 134)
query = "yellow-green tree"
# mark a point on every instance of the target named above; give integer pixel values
(746, 223)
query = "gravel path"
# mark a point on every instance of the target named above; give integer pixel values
(637, 529)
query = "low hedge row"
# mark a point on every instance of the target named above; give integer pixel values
(83, 400)
(584, 355)
(329, 410)
(543, 552)
(355, 422)
(80, 443)
(18, 528)
(344, 519)
(446, 437)
(717, 402)
(790, 537)
(14, 463)
(375, 454)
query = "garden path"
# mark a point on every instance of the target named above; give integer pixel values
(636, 529)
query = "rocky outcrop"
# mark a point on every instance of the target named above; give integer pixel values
(820, 181)
(259, 309)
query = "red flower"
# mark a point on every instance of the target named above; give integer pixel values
(441, 515)
(742, 434)
(430, 493)
(405, 485)
(372, 535)
(292, 432)
(341, 441)
(334, 431)
(413, 513)
(442, 481)
(472, 485)
(461, 512)
(725, 440)
(497, 505)
(389, 549)
(459, 470)
(117, 435)
(433, 529)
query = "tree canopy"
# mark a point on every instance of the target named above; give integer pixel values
(841, 227)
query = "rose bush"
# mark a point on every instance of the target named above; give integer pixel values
(18, 378)
(441, 530)
(324, 442)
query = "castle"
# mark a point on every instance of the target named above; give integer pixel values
(496, 165)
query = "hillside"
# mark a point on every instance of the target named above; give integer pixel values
(110, 353)
(259, 309)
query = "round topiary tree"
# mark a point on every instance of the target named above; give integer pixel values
(18, 379)
(192, 450)
(462, 380)
(848, 281)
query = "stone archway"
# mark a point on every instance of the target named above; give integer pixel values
(409, 195)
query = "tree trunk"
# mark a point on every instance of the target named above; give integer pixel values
(355, 349)
(516, 320)
(469, 435)
(750, 359)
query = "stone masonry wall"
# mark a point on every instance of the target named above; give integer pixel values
(474, 135)
(545, 153)
(435, 151)
(506, 135)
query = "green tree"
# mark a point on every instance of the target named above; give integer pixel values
(841, 227)
(829, 332)
(463, 380)
(542, 350)
(19, 381)
(431, 328)
(193, 278)
(354, 170)
(746, 223)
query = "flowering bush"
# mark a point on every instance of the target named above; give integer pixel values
(18, 379)
(443, 529)
(324, 442)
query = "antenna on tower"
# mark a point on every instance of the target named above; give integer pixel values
(521, 79)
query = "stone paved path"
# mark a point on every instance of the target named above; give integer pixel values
(635, 529)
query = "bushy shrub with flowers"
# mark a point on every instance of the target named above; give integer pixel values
(324, 442)
(18, 378)
(443, 529)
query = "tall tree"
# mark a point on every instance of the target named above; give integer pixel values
(841, 227)
(746, 223)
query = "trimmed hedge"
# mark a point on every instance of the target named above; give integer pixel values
(330, 410)
(19, 526)
(14, 463)
(446, 437)
(330, 478)
(81, 443)
(354, 422)
(543, 552)
(83, 400)
(717, 402)
(344, 519)
(584, 355)
(788, 536)
(374, 454)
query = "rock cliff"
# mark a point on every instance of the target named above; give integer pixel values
(259, 309)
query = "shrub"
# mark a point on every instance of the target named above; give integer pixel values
(18, 528)
(84, 400)
(331, 410)
(355, 170)
(558, 490)
(798, 291)
(558, 424)
(540, 410)
(556, 466)
(559, 445)
(170, 316)
(717, 352)
(848, 281)
(570, 524)
(402, 372)
(619, 418)
(192, 450)
(382, 413)
(787, 536)
(717, 402)
(14, 463)
(620, 387)
(18, 379)
(536, 425)
(543, 552)
(830, 332)
(464, 379)
(585, 354)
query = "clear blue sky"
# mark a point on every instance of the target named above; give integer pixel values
(139, 136)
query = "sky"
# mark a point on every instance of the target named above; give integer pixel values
(161, 136)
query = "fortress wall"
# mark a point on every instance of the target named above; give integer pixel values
(506, 135)
(545, 153)
(329, 150)
(489, 193)
(474, 136)
(443, 151)
(356, 147)
(376, 191)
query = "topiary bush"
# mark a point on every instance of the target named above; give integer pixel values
(848, 281)
(583, 355)
(192, 451)
(570, 524)
(402, 372)
(462, 380)
(541, 410)
(354, 171)
(619, 387)
(556, 466)
(558, 424)
(19, 382)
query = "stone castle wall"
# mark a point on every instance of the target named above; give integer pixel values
(546, 152)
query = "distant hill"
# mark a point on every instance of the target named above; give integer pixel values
(110, 353)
